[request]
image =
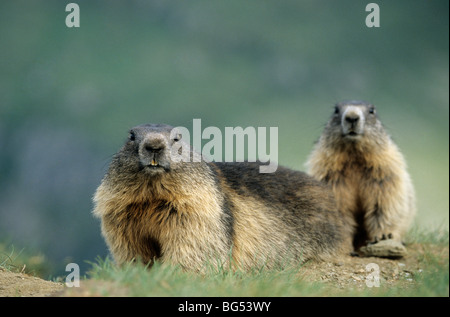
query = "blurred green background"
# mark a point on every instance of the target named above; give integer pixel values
(69, 95)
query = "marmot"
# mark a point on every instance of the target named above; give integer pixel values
(196, 214)
(367, 172)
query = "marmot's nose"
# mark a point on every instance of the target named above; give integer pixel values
(154, 145)
(352, 118)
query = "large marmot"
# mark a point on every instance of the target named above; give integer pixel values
(367, 172)
(200, 214)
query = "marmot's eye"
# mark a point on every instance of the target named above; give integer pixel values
(132, 136)
(336, 110)
(372, 110)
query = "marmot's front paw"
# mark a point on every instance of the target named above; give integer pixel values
(383, 237)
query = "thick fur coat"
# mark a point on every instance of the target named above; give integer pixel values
(198, 214)
(367, 172)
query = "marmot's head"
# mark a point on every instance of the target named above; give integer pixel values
(353, 120)
(150, 148)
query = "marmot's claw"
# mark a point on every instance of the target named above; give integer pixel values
(389, 236)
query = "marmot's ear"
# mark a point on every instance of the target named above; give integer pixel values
(132, 135)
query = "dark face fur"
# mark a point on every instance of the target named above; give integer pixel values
(148, 149)
(354, 119)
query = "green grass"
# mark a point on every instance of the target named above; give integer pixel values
(164, 280)
(21, 260)
(427, 274)
(435, 280)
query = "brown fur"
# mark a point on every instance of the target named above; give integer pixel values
(219, 214)
(367, 172)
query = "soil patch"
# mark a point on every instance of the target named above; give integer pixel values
(358, 272)
(344, 273)
(19, 284)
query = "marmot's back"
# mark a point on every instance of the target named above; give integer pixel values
(367, 172)
(296, 211)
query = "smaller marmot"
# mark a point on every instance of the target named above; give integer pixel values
(198, 214)
(367, 172)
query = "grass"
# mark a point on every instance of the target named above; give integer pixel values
(435, 280)
(427, 274)
(164, 280)
(424, 272)
(22, 261)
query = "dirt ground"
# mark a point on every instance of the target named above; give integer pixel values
(344, 273)
(356, 272)
(23, 285)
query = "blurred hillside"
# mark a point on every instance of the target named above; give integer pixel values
(68, 96)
